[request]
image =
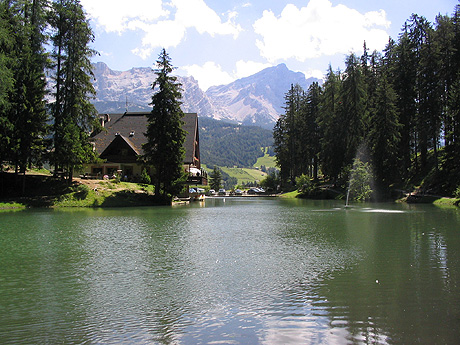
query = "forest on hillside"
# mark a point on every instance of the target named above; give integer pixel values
(396, 110)
(43, 39)
(226, 144)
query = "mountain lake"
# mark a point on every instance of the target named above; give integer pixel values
(232, 271)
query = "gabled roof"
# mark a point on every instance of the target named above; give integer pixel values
(119, 139)
(131, 128)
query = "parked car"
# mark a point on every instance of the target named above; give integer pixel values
(255, 190)
(212, 192)
(222, 192)
(238, 192)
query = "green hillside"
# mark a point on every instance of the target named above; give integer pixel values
(226, 144)
(242, 175)
(266, 160)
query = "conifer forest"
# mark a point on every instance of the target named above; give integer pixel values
(398, 110)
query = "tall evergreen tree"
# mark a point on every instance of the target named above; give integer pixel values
(312, 131)
(215, 178)
(288, 136)
(384, 133)
(330, 122)
(27, 111)
(164, 150)
(72, 111)
(354, 113)
(404, 72)
(6, 81)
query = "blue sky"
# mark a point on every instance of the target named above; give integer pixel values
(219, 41)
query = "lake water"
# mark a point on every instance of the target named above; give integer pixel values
(231, 271)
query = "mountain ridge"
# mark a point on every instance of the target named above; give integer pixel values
(254, 100)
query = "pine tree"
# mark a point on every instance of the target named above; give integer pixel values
(27, 111)
(312, 132)
(6, 82)
(384, 133)
(354, 113)
(330, 123)
(164, 150)
(215, 178)
(404, 71)
(288, 136)
(73, 114)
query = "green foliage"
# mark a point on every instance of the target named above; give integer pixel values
(226, 144)
(72, 111)
(360, 181)
(457, 193)
(145, 177)
(271, 181)
(215, 178)
(303, 183)
(404, 105)
(164, 150)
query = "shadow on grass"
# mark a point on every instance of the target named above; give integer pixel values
(46, 191)
(129, 198)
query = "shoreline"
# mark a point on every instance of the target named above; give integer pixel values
(44, 191)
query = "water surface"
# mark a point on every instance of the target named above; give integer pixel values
(232, 271)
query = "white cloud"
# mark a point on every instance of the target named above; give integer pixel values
(319, 29)
(196, 14)
(211, 74)
(163, 24)
(247, 68)
(208, 75)
(115, 15)
(314, 73)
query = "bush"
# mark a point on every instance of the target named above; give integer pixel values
(303, 184)
(145, 178)
(457, 193)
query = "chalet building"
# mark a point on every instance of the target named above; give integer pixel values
(119, 145)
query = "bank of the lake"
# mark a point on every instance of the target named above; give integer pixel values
(44, 191)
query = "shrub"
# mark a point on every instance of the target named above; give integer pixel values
(303, 183)
(145, 178)
(457, 193)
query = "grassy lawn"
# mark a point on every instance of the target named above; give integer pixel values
(8, 206)
(290, 195)
(243, 175)
(268, 161)
(447, 202)
(257, 175)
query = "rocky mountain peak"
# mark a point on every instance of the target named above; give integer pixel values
(255, 100)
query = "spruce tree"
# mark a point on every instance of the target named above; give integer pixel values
(6, 82)
(354, 114)
(215, 178)
(73, 114)
(27, 106)
(384, 133)
(287, 135)
(312, 132)
(331, 125)
(164, 150)
(404, 71)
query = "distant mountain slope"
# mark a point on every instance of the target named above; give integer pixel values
(255, 100)
(117, 91)
(226, 144)
(258, 99)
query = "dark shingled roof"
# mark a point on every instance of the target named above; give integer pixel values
(132, 126)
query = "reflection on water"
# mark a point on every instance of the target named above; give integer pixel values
(233, 271)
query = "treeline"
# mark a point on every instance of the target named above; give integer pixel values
(226, 144)
(39, 40)
(397, 109)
